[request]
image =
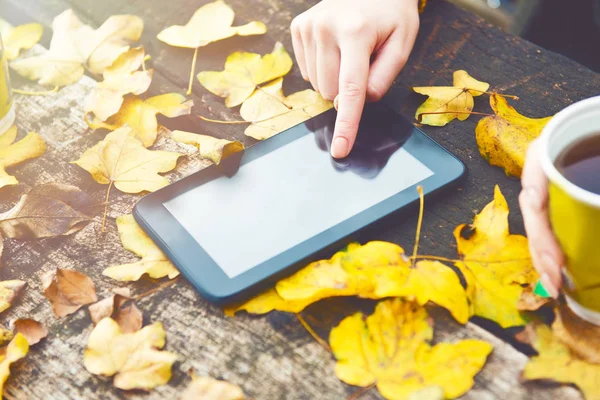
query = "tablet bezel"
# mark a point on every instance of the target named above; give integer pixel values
(212, 282)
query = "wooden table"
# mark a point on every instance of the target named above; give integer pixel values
(271, 357)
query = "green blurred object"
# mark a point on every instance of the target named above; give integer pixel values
(540, 290)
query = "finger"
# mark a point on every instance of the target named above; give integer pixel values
(545, 250)
(388, 62)
(354, 73)
(298, 47)
(310, 56)
(328, 68)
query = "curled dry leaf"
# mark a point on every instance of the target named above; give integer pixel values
(32, 330)
(68, 291)
(375, 270)
(153, 262)
(120, 308)
(48, 210)
(17, 38)
(244, 72)
(391, 349)
(209, 147)
(207, 388)
(121, 78)
(9, 291)
(496, 264)
(121, 160)
(556, 362)
(504, 138)
(529, 301)
(580, 336)
(75, 45)
(16, 350)
(446, 103)
(134, 358)
(210, 23)
(140, 115)
(270, 112)
(31, 146)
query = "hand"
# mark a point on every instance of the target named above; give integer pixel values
(354, 48)
(545, 251)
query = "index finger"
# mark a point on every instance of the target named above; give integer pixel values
(354, 75)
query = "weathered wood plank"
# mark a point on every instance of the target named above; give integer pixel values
(270, 357)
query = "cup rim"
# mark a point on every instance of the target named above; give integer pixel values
(548, 166)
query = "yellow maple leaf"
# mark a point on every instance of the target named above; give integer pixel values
(209, 147)
(75, 45)
(140, 115)
(496, 264)
(207, 388)
(244, 72)
(17, 38)
(504, 138)
(390, 349)
(9, 290)
(375, 270)
(210, 23)
(266, 302)
(135, 358)
(16, 350)
(270, 112)
(121, 160)
(153, 262)
(121, 78)
(446, 103)
(556, 362)
(31, 146)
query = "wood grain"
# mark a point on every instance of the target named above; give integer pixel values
(271, 357)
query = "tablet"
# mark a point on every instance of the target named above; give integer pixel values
(273, 208)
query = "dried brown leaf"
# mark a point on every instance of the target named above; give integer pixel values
(33, 330)
(582, 337)
(120, 308)
(68, 291)
(9, 290)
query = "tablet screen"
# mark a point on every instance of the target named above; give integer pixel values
(297, 191)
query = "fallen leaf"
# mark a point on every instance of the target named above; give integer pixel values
(529, 301)
(210, 23)
(270, 112)
(134, 358)
(121, 160)
(504, 138)
(140, 115)
(153, 262)
(9, 290)
(580, 336)
(118, 307)
(244, 72)
(16, 350)
(207, 388)
(496, 264)
(449, 102)
(32, 330)
(48, 210)
(375, 270)
(121, 78)
(31, 146)
(68, 291)
(390, 349)
(17, 38)
(209, 147)
(75, 45)
(555, 362)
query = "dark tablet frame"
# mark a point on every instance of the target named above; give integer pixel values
(212, 282)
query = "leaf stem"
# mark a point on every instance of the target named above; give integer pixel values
(146, 58)
(189, 91)
(217, 121)
(420, 116)
(106, 206)
(360, 392)
(420, 220)
(450, 260)
(313, 333)
(33, 93)
(510, 96)
(156, 289)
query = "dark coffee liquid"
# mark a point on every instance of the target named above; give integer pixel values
(580, 163)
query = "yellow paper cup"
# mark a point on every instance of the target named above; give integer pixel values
(575, 212)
